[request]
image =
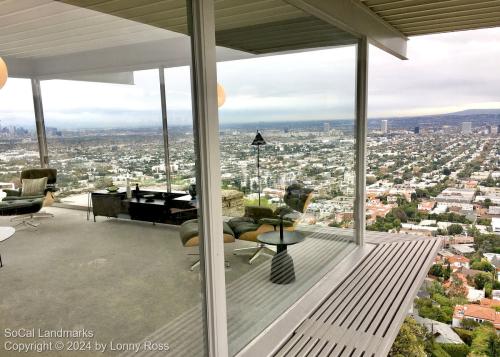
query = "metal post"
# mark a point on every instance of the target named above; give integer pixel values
(201, 24)
(40, 122)
(163, 97)
(361, 131)
(258, 168)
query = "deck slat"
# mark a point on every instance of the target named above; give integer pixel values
(361, 316)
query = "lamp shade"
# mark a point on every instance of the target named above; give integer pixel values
(258, 140)
(221, 95)
(3, 73)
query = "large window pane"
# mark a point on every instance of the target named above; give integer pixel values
(287, 161)
(124, 271)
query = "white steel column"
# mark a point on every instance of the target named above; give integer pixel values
(164, 120)
(361, 132)
(206, 134)
(40, 122)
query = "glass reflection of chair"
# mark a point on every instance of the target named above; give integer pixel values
(258, 220)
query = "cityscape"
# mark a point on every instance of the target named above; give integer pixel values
(426, 176)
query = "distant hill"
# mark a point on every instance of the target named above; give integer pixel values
(476, 112)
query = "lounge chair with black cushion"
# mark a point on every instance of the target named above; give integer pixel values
(24, 210)
(190, 237)
(44, 191)
(258, 220)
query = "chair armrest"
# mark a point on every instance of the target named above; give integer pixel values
(257, 212)
(12, 193)
(20, 198)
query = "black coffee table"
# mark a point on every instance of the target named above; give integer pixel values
(282, 270)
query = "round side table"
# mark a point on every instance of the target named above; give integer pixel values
(5, 233)
(282, 270)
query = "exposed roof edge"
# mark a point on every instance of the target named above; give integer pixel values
(358, 20)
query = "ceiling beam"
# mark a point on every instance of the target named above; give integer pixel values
(356, 18)
(92, 65)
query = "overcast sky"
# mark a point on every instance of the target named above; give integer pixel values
(444, 73)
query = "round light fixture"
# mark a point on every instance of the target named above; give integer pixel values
(3, 73)
(221, 95)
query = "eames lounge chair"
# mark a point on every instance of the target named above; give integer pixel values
(45, 191)
(190, 237)
(258, 220)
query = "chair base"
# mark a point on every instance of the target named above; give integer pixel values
(258, 251)
(29, 220)
(43, 214)
(25, 220)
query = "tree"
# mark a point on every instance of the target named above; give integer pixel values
(483, 265)
(457, 288)
(481, 279)
(411, 340)
(455, 229)
(446, 171)
(436, 270)
(485, 341)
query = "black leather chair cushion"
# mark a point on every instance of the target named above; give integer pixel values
(18, 207)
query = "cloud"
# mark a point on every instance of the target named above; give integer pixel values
(445, 72)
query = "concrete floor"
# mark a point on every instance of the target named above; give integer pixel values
(121, 279)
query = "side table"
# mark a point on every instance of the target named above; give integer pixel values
(5, 233)
(282, 269)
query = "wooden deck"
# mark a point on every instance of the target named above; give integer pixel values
(362, 315)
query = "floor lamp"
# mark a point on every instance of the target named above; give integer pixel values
(258, 141)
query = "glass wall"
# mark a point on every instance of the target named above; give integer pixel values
(118, 278)
(18, 142)
(287, 141)
(105, 135)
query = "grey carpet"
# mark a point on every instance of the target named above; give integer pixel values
(122, 279)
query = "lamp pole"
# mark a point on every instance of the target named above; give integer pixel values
(258, 141)
(258, 168)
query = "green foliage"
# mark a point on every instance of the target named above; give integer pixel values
(484, 221)
(437, 270)
(481, 279)
(483, 265)
(438, 351)
(485, 341)
(469, 324)
(455, 350)
(449, 217)
(411, 340)
(465, 335)
(487, 242)
(264, 202)
(429, 309)
(455, 229)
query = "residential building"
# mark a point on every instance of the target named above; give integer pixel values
(443, 333)
(466, 127)
(383, 126)
(495, 224)
(456, 195)
(476, 313)
(458, 261)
